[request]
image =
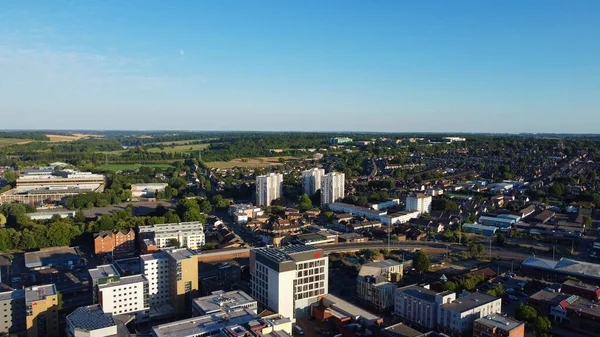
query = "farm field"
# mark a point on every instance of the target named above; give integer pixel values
(13, 141)
(120, 167)
(180, 147)
(248, 162)
(70, 138)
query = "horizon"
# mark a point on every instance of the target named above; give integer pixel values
(375, 67)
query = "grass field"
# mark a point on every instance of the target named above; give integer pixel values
(180, 147)
(13, 141)
(120, 167)
(70, 138)
(248, 162)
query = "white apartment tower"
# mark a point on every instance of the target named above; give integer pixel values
(127, 295)
(289, 280)
(311, 180)
(332, 188)
(268, 188)
(155, 267)
(419, 202)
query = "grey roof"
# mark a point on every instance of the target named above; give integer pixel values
(285, 254)
(471, 301)
(12, 295)
(401, 330)
(196, 326)
(90, 318)
(124, 280)
(549, 297)
(38, 293)
(499, 321)
(103, 271)
(378, 267)
(180, 254)
(223, 300)
(419, 292)
(50, 254)
(565, 266)
(153, 256)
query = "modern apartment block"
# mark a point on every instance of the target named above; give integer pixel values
(269, 187)
(332, 188)
(41, 311)
(117, 243)
(419, 202)
(155, 267)
(103, 274)
(128, 295)
(457, 317)
(183, 278)
(30, 312)
(187, 234)
(496, 325)
(223, 301)
(373, 283)
(418, 305)
(311, 180)
(289, 280)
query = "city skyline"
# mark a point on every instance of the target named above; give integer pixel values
(339, 66)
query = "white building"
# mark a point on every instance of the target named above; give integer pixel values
(268, 188)
(383, 205)
(356, 210)
(398, 218)
(289, 280)
(419, 202)
(332, 188)
(419, 306)
(91, 321)
(155, 267)
(188, 234)
(311, 180)
(223, 301)
(458, 316)
(128, 295)
(147, 190)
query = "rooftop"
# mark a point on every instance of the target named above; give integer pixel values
(53, 253)
(288, 253)
(197, 326)
(90, 318)
(39, 293)
(565, 266)
(499, 321)
(419, 292)
(223, 300)
(344, 309)
(103, 271)
(471, 301)
(153, 256)
(12, 295)
(123, 281)
(401, 330)
(549, 297)
(581, 285)
(180, 254)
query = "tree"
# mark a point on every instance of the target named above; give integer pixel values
(452, 286)
(525, 313)
(497, 291)
(194, 215)
(11, 177)
(28, 240)
(500, 239)
(304, 203)
(61, 233)
(421, 262)
(587, 221)
(543, 325)
(59, 299)
(2, 219)
(174, 243)
(172, 217)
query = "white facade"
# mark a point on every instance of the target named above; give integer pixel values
(156, 269)
(289, 280)
(188, 234)
(311, 180)
(356, 210)
(128, 295)
(419, 202)
(332, 188)
(459, 315)
(268, 188)
(398, 218)
(419, 306)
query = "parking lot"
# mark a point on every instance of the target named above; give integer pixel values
(516, 290)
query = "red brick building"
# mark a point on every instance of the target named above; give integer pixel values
(118, 243)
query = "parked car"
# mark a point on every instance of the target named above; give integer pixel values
(298, 330)
(509, 290)
(521, 284)
(513, 297)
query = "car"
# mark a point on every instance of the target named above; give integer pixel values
(298, 330)
(521, 284)
(513, 297)
(509, 290)
(523, 294)
(16, 279)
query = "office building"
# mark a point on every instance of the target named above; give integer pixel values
(457, 317)
(339, 140)
(236, 323)
(289, 280)
(376, 291)
(223, 301)
(269, 187)
(50, 214)
(311, 180)
(91, 321)
(103, 274)
(391, 270)
(118, 243)
(155, 267)
(186, 234)
(419, 202)
(183, 278)
(332, 188)
(496, 325)
(128, 295)
(418, 305)
(147, 190)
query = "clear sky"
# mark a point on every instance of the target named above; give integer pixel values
(310, 65)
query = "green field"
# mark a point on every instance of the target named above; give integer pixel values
(121, 167)
(179, 147)
(248, 162)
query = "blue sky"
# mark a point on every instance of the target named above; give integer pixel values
(312, 65)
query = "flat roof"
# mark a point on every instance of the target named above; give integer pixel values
(499, 321)
(419, 292)
(90, 318)
(471, 301)
(401, 330)
(103, 271)
(49, 254)
(38, 293)
(180, 254)
(124, 281)
(208, 323)
(223, 300)
(12, 295)
(346, 308)
(565, 266)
